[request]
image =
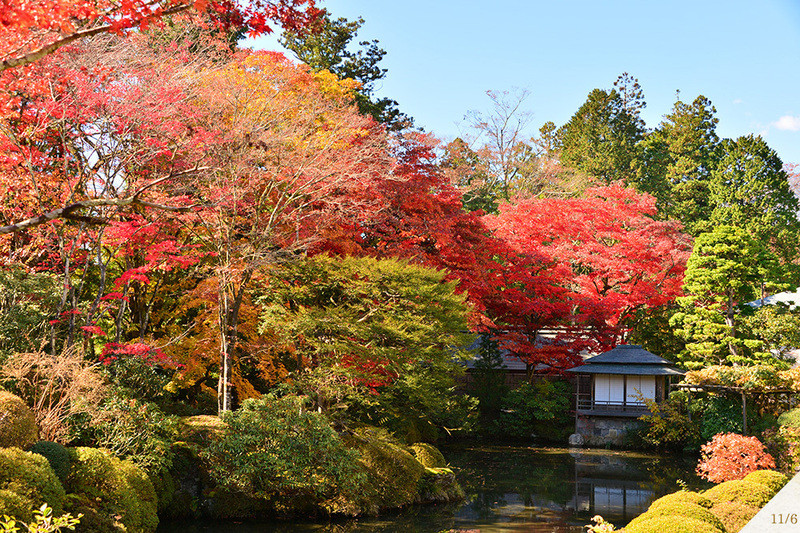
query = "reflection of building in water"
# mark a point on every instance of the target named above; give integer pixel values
(615, 500)
(609, 486)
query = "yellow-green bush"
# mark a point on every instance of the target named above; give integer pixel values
(672, 524)
(428, 455)
(683, 496)
(772, 479)
(19, 507)
(17, 422)
(734, 514)
(740, 491)
(30, 476)
(684, 509)
(393, 474)
(113, 487)
(200, 429)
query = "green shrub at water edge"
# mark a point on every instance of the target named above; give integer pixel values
(56, 454)
(275, 446)
(746, 492)
(428, 455)
(393, 474)
(29, 475)
(111, 487)
(772, 479)
(683, 510)
(17, 422)
(683, 496)
(734, 514)
(672, 524)
(540, 409)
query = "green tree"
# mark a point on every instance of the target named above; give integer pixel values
(329, 49)
(600, 139)
(375, 337)
(727, 268)
(676, 161)
(750, 189)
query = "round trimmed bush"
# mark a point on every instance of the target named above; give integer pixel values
(683, 496)
(14, 505)
(734, 515)
(56, 455)
(772, 479)
(740, 491)
(684, 510)
(30, 476)
(673, 524)
(790, 418)
(17, 422)
(428, 455)
(114, 487)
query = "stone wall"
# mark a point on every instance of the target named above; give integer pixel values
(605, 430)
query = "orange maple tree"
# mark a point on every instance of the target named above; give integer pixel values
(729, 456)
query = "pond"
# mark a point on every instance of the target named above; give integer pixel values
(516, 489)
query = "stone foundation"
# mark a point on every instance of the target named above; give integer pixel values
(605, 430)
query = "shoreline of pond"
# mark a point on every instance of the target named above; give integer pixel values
(512, 487)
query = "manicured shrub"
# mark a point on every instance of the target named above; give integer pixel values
(772, 479)
(681, 509)
(56, 455)
(17, 422)
(672, 524)
(790, 418)
(428, 455)
(683, 496)
(746, 492)
(19, 507)
(112, 487)
(734, 514)
(30, 476)
(729, 456)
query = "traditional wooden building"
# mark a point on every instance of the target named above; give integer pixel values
(611, 389)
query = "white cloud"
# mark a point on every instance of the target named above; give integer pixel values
(788, 123)
(738, 101)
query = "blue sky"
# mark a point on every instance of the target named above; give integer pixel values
(442, 56)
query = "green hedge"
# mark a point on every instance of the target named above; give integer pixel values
(56, 455)
(15, 505)
(29, 475)
(672, 524)
(112, 487)
(734, 514)
(17, 422)
(683, 510)
(683, 496)
(774, 480)
(740, 491)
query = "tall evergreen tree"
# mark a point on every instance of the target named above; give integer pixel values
(329, 49)
(749, 188)
(600, 139)
(727, 268)
(676, 161)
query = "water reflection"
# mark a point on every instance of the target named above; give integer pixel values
(516, 489)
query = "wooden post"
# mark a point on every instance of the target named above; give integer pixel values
(744, 414)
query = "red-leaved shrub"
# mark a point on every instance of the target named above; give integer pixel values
(729, 456)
